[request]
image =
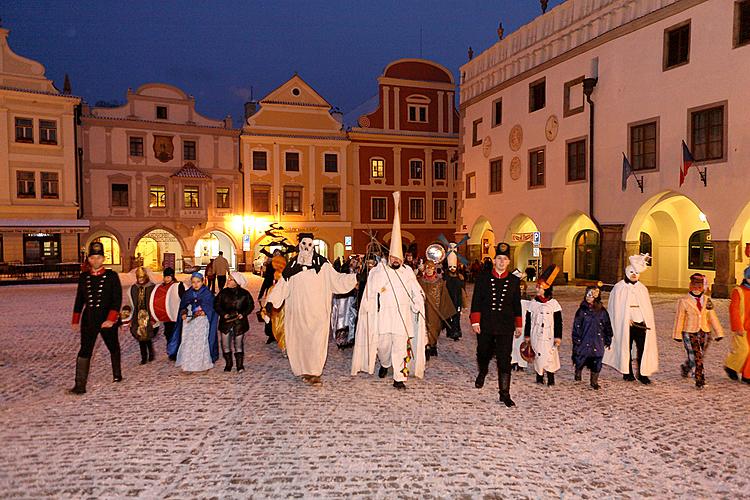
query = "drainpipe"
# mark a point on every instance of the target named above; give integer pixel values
(77, 111)
(589, 84)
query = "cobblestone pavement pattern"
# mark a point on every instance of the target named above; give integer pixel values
(263, 434)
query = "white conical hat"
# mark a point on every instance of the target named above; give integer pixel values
(396, 249)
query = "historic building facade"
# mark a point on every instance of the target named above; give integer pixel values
(408, 144)
(294, 158)
(38, 165)
(161, 183)
(539, 156)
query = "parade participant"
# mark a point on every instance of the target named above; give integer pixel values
(141, 324)
(274, 316)
(391, 326)
(438, 306)
(496, 319)
(457, 292)
(165, 302)
(96, 309)
(194, 342)
(306, 289)
(543, 327)
(694, 321)
(234, 304)
(221, 269)
(343, 321)
(211, 276)
(632, 318)
(268, 275)
(737, 363)
(592, 334)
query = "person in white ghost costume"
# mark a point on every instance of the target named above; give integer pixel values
(633, 322)
(306, 290)
(543, 327)
(391, 326)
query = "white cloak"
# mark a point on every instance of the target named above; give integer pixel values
(387, 286)
(515, 355)
(542, 335)
(307, 297)
(618, 356)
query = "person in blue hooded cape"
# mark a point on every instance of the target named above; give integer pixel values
(194, 342)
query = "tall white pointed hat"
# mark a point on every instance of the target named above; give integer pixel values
(639, 262)
(396, 249)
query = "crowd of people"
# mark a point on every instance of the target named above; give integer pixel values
(391, 310)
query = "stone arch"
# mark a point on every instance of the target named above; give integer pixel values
(740, 232)
(522, 254)
(562, 252)
(482, 240)
(155, 249)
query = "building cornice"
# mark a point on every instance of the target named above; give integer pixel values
(417, 84)
(157, 126)
(72, 98)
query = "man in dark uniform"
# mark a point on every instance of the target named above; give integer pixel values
(97, 309)
(496, 318)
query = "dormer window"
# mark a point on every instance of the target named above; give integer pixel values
(418, 106)
(161, 112)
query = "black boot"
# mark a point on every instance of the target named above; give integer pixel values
(82, 375)
(144, 352)
(433, 351)
(731, 373)
(427, 352)
(579, 372)
(228, 360)
(539, 379)
(116, 371)
(382, 372)
(240, 358)
(150, 349)
(550, 379)
(479, 382)
(504, 383)
(595, 381)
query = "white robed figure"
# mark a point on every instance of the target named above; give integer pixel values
(542, 331)
(391, 326)
(632, 317)
(306, 291)
(515, 355)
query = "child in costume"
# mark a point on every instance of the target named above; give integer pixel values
(544, 327)
(592, 333)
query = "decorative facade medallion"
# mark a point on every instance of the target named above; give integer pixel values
(515, 140)
(515, 168)
(487, 147)
(551, 128)
(163, 148)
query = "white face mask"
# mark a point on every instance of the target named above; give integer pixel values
(306, 249)
(631, 273)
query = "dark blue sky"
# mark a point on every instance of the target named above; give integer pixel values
(217, 50)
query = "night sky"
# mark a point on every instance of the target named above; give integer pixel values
(218, 50)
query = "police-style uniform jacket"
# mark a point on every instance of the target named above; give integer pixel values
(496, 303)
(98, 298)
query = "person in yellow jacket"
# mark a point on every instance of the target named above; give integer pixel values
(737, 363)
(694, 321)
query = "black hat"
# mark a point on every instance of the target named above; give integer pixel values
(502, 249)
(302, 236)
(96, 248)
(168, 271)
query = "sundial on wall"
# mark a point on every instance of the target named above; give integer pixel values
(551, 128)
(515, 168)
(487, 147)
(515, 139)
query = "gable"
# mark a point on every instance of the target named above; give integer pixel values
(295, 92)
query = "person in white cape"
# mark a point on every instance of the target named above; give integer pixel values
(306, 289)
(543, 327)
(633, 322)
(391, 326)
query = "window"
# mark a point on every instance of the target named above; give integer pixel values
(119, 195)
(157, 197)
(188, 150)
(377, 168)
(643, 141)
(47, 132)
(292, 162)
(161, 112)
(577, 160)
(455, 171)
(417, 113)
(707, 134)
(741, 23)
(26, 186)
(587, 255)
(293, 200)
(24, 130)
(573, 97)
(475, 140)
(379, 208)
(536, 168)
(471, 185)
(440, 209)
(331, 162)
(260, 160)
(136, 146)
(701, 251)
(496, 176)
(330, 201)
(222, 197)
(261, 199)
(537, 95)
(50, 185)
(677, 45)
(646, 246)
(41, 248)
(415, 169)
(416, 208)
(440, 170)
(190, 197)
(497, 112)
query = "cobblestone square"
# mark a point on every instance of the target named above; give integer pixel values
(261, 434)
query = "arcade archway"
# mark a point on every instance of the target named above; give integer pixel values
(209, 246)
(520, 236)
(578, 236)
(481, 240)
(741, 233)
(158, 249)
(112, 256)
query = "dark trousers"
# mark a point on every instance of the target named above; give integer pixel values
(89, 331)
(169, 327)
(147, 350)
(500, 346)
(454, 327)
(222, 280)
(637, 336)
(211, 283)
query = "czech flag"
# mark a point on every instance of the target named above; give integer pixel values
(687, 162)
(627, 171)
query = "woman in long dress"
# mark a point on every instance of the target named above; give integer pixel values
(194, 341)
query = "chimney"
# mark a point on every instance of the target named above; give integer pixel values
(228, 121)
(250, 108)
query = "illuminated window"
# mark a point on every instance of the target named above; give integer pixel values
(157, 197)
(190, 197)
(377, 168)
(222, 197)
